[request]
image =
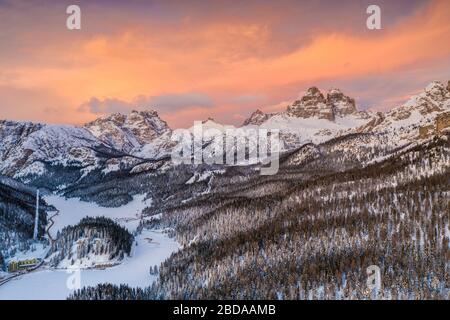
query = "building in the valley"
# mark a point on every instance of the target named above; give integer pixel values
(18, 265)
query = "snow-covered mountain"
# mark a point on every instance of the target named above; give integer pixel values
(420, 109)
(60, 155)
(257, 118)
(29, 150)
(316, 118)
(128, 132)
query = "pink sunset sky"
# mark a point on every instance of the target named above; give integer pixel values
(191, 60)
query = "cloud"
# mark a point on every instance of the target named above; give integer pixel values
(192, 58)
(97, 106)
(173, 102)
(163, 103)
(247, 99)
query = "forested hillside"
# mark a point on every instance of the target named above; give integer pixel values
(90, 243)
(17, 216)
(112, 292)
(354, 189)
(311, 234)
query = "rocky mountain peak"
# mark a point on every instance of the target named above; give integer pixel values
(313, 96)
(434, 98)
(341, 104)
(257, 118)
(117, 118)
(437, 91)
(258, 112)
(312, 104)
(145, 114)
(210, 119)
(125, 132)
(423, 107)
(146, 125)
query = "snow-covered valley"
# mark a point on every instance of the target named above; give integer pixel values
(151, 248)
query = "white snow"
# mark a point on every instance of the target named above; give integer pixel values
(72, 210)
(203, 176)
(37, 250)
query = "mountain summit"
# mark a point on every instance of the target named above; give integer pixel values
(257, 118)
(341, 104)
(312, 104)
(125, 132)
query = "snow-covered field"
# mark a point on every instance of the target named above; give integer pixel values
(153, 247)
(72, 210)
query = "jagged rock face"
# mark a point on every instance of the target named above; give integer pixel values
(420, 111)
(435, 98)
(13, 134)
(448, 86)
(209, 120)
(432, 99)
(29, 151)
(146, 125)
(312, 104)
(443, 122)
(257, 118)
(375, 120)
(341, 104)
(126, 132)
(437, 91)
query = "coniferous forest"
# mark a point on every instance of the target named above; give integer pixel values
(94, 236)
(312, 230)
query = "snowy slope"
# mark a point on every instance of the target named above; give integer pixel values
(419, 110)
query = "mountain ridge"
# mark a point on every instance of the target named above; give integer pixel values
(122, 142)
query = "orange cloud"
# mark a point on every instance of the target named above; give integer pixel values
(217, 58)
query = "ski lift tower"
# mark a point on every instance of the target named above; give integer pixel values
(36, 218)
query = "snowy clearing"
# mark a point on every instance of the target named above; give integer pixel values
(72, 210)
